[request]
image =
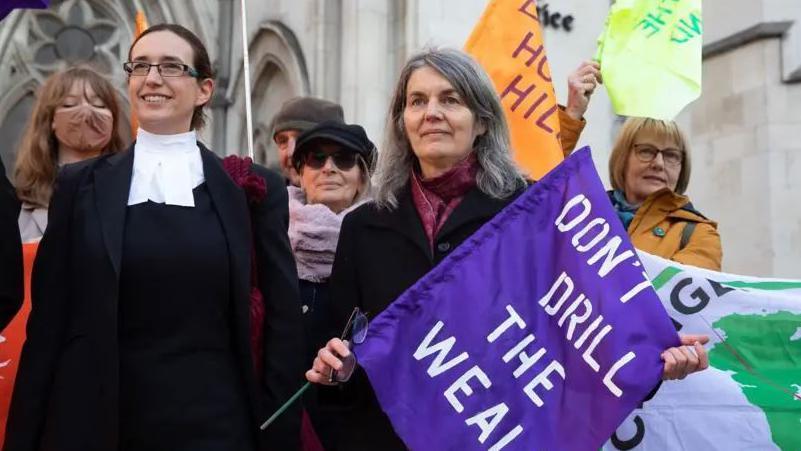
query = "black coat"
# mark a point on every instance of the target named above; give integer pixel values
(10, 252)
(380, 254)
(66, 394)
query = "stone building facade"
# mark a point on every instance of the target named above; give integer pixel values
(744, 130)
(746, 134)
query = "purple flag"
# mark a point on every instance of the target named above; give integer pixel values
(9, 5)
(541, 331)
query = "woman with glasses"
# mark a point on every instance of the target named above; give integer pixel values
(446, 171)
(649, 170)
(334, 162)
(141, 335)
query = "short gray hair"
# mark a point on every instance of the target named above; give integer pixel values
(498, 176)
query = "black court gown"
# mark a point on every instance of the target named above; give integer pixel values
(180, 386)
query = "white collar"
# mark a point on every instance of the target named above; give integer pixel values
(166, 169)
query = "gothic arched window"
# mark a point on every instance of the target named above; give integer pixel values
(74, 32)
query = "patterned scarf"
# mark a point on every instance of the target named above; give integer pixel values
(435, 199)
(313, 233)
(625, 211)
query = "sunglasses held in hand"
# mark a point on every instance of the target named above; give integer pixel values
(356, 327)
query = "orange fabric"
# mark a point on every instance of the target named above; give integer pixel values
(12, 339)
(141, 26)
(507, 42)
(571, 130)
(663, 210)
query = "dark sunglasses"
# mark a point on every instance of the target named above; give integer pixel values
(344, 160)
(356, 328)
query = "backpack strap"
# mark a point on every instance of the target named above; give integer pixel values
(686, 233)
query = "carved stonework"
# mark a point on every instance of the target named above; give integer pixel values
(75, 32)
(278, 73)
(41, 42)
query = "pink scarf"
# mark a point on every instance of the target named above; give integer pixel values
(435, 199)
(313, 234)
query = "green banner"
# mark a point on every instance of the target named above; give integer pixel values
(750, 397)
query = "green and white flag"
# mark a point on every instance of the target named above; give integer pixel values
(750, 397)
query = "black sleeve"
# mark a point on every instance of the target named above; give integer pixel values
(651, 394)
(47, 321)
(283, 328)
(343, 398)
(344, 284)
(10, 252)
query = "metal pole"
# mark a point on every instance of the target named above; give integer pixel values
(248, 107)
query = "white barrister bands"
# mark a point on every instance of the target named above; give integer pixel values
(166, 169)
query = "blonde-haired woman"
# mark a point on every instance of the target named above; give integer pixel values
(649, 170)
(76, 117)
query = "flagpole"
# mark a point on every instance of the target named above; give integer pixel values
(248, 106)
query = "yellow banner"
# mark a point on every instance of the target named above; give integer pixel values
(650, 54)
(507, 42)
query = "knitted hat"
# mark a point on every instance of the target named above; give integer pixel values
(303, 113)
(350, 136)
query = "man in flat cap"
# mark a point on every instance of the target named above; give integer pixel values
(295, 117)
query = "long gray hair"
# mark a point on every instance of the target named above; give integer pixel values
(498, 176)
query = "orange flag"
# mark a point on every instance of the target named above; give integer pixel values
(12, 339)
(507, 42)
(141, 26)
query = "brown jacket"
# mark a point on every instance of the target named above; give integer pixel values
(569, 131)
(657, 228)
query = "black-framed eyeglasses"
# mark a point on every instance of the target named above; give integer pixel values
(647, 153)
(344, 160)
(169, 69)
(356, 329)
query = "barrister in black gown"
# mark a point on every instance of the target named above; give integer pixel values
(10, 252)
(140, 332)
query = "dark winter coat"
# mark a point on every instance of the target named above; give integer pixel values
(10, 252)
(381, 253)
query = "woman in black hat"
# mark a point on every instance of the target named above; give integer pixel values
(334, 161)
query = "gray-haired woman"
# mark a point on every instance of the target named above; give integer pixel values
(445, 170)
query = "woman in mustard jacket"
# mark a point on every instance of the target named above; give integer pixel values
(649, 170)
